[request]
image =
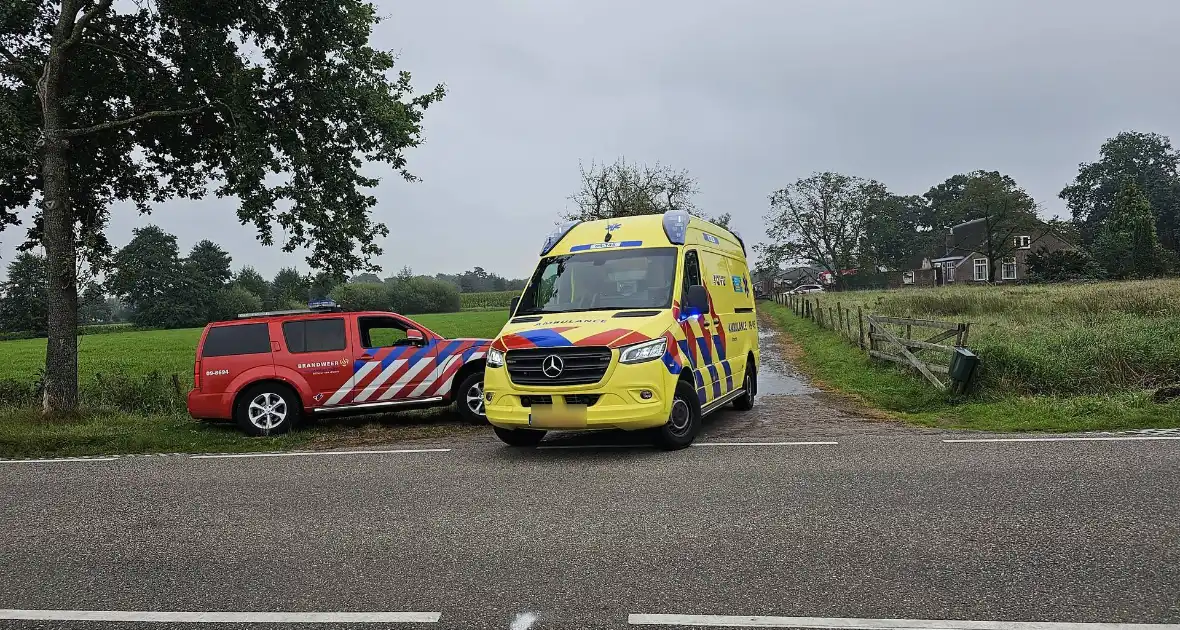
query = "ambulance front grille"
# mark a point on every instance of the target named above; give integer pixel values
(580, 366)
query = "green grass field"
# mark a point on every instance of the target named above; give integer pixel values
(835, 364)
(1060, 340)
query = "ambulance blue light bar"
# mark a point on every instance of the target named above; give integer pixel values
(676, 226)
(555, 236)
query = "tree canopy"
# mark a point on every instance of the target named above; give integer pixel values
(276, 103)
(624, 189)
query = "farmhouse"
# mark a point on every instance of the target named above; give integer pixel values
(963, 256)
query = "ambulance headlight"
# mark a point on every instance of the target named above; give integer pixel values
(646, 351)
(495, 358)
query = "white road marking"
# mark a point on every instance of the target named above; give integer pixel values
(763, 443)
(841, 623)
(523, 621)
(220, 617)
(319, 453)
(60, 459)
(1123, 438)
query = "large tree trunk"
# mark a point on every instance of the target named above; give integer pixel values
(61, 352)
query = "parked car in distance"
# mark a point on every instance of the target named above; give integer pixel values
(267, 371)
(807, 288)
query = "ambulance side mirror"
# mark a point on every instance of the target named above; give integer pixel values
(696, 300)
(512, 306)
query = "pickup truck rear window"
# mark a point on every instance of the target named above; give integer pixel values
(315, 335)
(224, 341)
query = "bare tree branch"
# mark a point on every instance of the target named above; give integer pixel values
(83, 22)
(126, 122)
(115, 53)
(16, 62)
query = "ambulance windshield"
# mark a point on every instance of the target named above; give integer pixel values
(602, 280)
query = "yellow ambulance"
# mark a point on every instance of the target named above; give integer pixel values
(642, 322)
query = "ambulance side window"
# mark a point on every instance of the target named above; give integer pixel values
(692, 272)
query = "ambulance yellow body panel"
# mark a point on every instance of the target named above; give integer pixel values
(643, 322)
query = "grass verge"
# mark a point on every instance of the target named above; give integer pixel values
(834, 364)
(25, 434)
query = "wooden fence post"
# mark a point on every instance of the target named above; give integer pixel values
(839, 314)
(860, 322)
(966, 331)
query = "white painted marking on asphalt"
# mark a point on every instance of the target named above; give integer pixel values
(60, 459)
(523, 621)
(220, 617)
(763, 443)
(320, 453)
(841, 623)
(1124, 438)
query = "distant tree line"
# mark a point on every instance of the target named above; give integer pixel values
(1125, 218)
(149, 284)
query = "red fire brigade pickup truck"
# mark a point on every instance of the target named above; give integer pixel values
(268, 370)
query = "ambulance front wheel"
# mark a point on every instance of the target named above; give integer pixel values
(684, 421)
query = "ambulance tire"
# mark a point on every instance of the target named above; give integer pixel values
(745, 402)
(684, 421)
(268, 408)
(524, 438)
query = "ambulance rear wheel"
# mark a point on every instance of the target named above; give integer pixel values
(684, 421)
(519, 437)
(745, 402)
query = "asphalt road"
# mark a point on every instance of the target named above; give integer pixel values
(875, 526)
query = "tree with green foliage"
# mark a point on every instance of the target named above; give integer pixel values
(891, 238)
(93, 307)
(627, 189)
(819, 220)
(368, 277)
(1127, 246)
(249, 279)
(1148, 160)
(288, 289)
(148, 276)
(1005, 209)
(23, 306)
(945, 205)
(207, 271)
(142, 102)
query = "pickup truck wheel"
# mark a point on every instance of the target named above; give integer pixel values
(684, 421)
(519, 437)
(469, 398)
(267, 409)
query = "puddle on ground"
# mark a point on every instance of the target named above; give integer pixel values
(777, 378)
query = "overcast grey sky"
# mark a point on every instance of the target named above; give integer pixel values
(748, 95)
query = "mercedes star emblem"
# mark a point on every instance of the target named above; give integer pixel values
(552, 366)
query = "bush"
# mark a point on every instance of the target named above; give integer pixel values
(414, 296)
(229, 302)
(361, 296)
(1062, 266)
(488, 300)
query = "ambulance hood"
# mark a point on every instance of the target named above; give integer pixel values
(584, 328)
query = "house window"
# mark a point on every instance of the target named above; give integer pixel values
(1023, 242)
(1008, 269)
(980, 270)
(907, 277)
(950, 271)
